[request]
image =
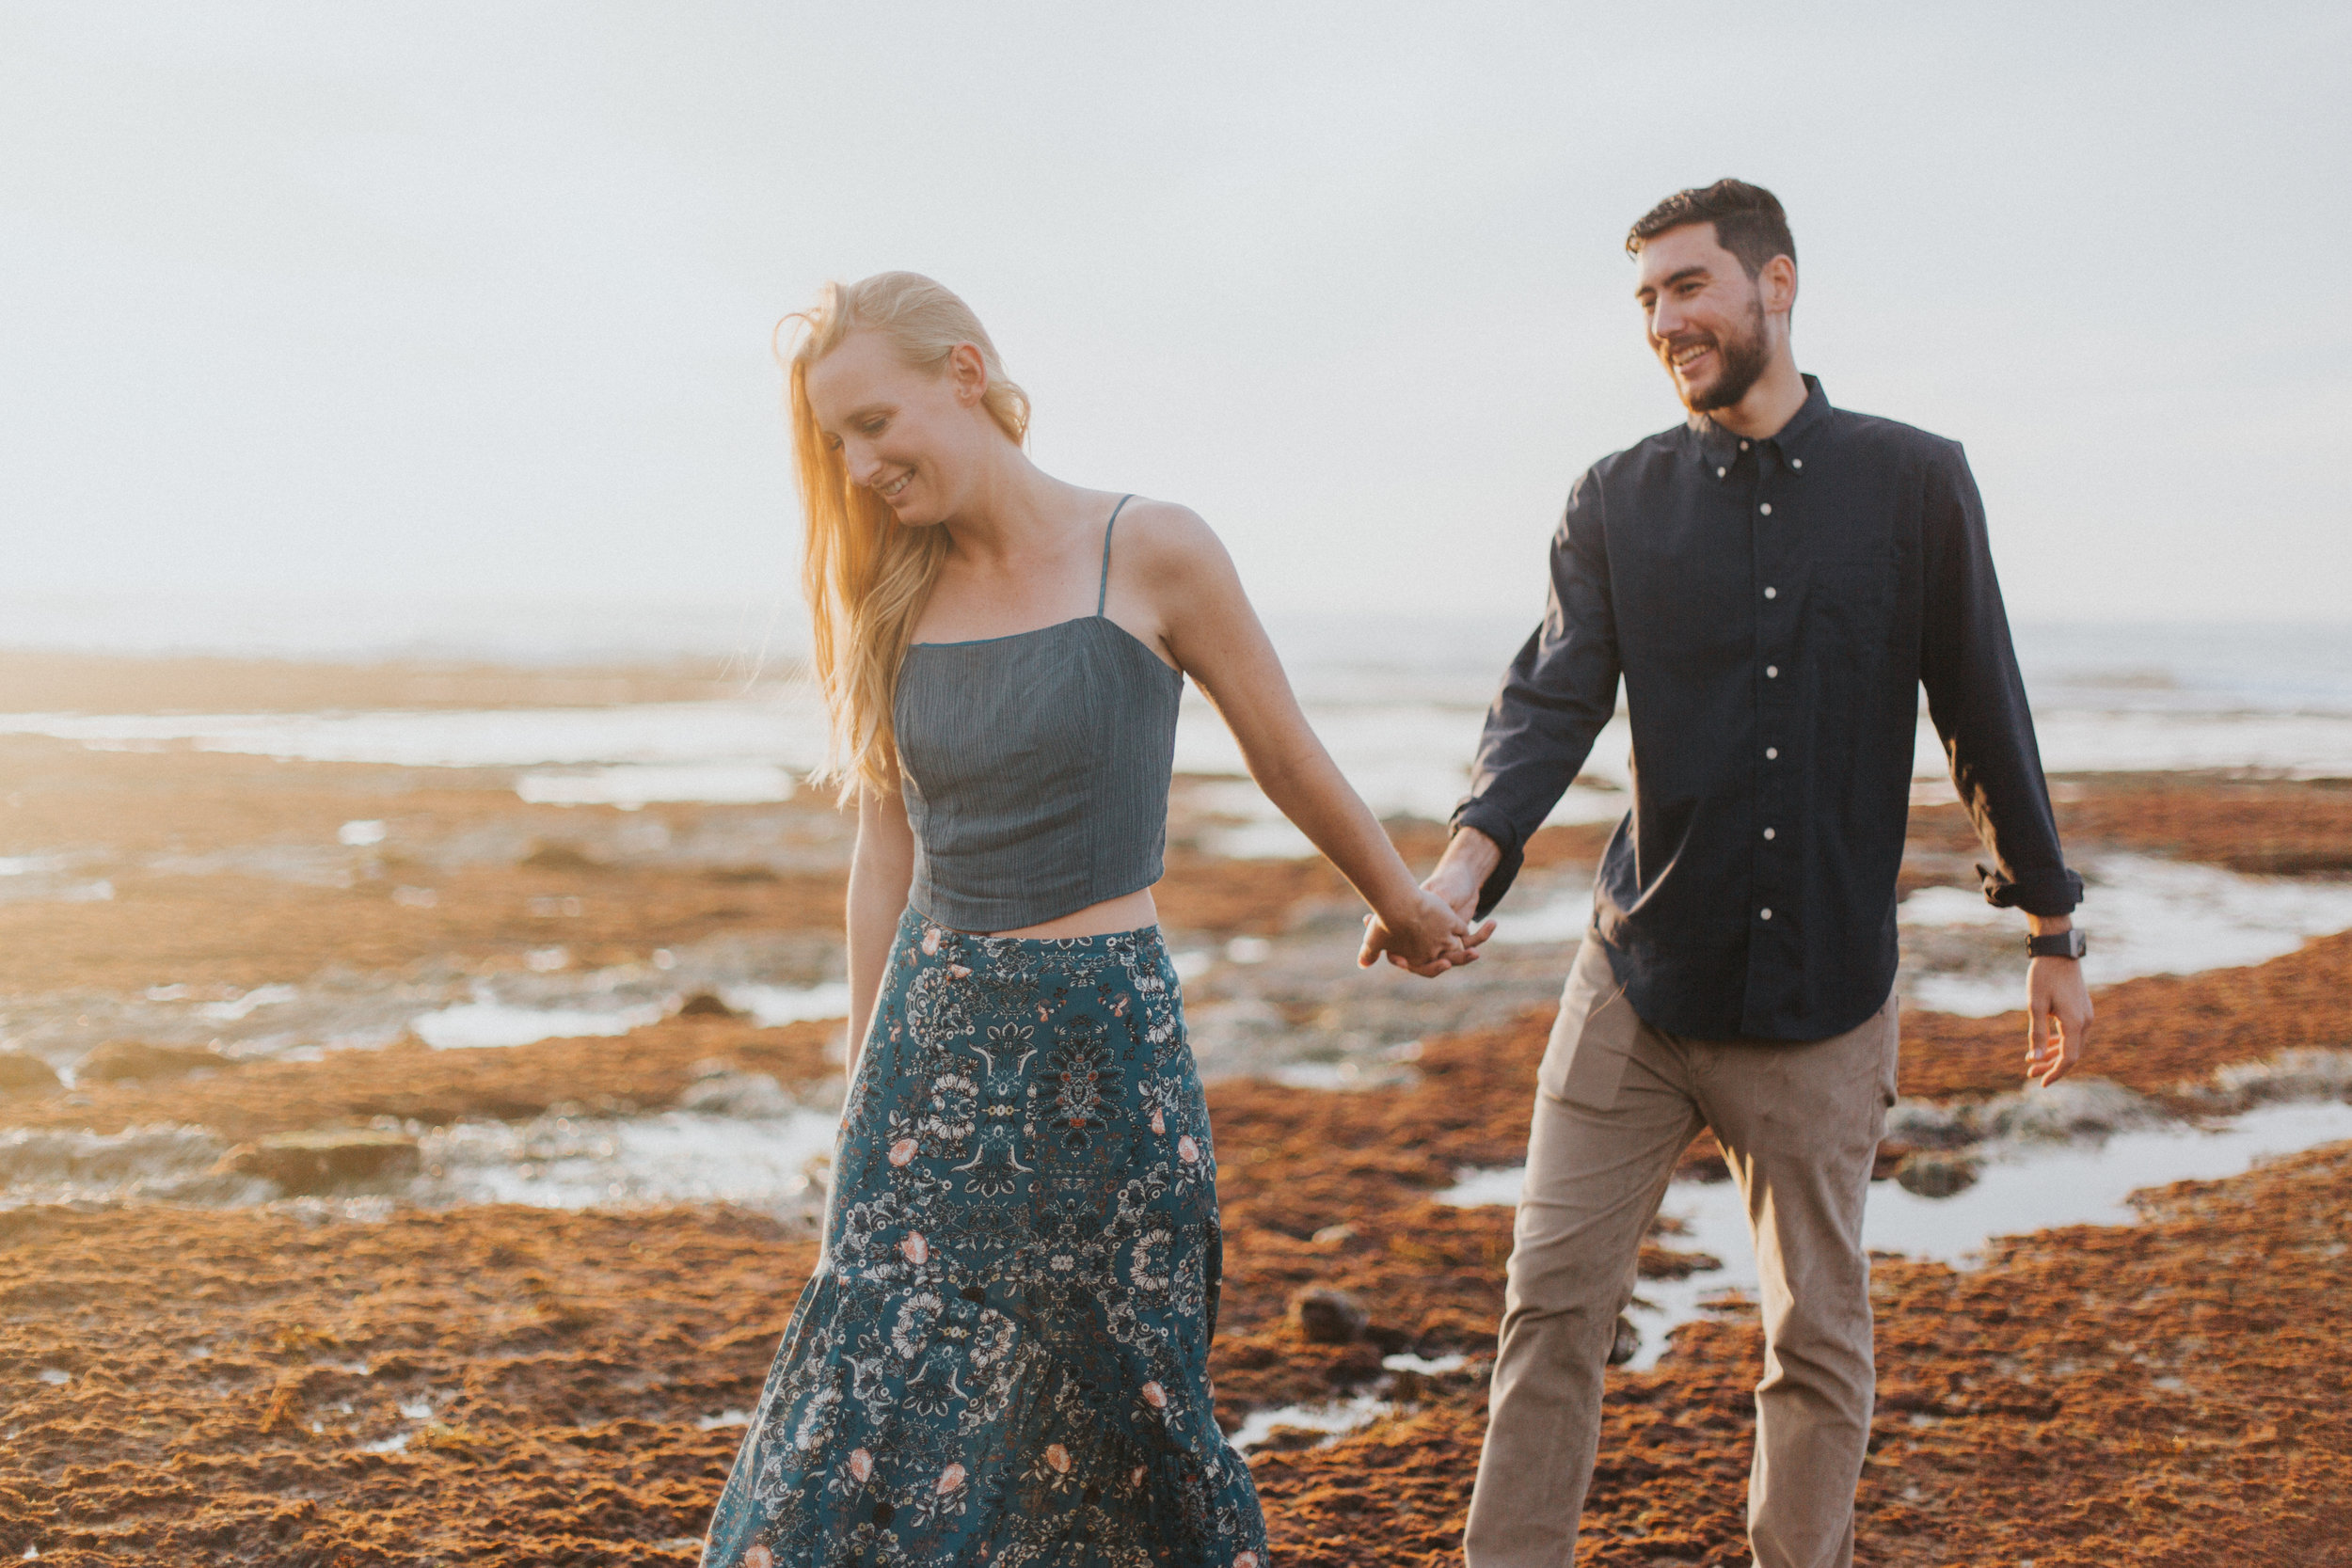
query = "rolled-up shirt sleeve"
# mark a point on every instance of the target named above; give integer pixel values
(1977, 701)
(1555, 699)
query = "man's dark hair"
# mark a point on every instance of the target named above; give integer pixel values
(1747, 218)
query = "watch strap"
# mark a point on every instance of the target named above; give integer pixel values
(2069, 943)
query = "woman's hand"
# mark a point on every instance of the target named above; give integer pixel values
(1424, 935)
(1178, 587)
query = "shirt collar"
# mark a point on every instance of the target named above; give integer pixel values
(1719, 448)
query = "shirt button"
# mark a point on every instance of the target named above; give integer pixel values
(1767, 914)
(1720, 472)
(1796, 462)
(1743, 446)
(1768, 832)
(1772, 592)
(1772, 672)
(1766, 509)
(1771, 753)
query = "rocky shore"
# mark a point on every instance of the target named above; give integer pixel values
(267, 1294)
(313, 1381)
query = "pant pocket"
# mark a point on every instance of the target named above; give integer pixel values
(1585, 1060)
(1891, 1063)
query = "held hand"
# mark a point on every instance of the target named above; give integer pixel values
(2058, 1021)
(1428, 938)
(1470, 857)
(1457, 880)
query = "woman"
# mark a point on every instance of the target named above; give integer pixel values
(1002, 1356)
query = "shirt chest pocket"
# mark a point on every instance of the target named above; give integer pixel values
(1850, 602)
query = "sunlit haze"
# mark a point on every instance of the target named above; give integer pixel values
(416, 300)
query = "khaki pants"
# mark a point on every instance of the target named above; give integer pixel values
(1617, 1103)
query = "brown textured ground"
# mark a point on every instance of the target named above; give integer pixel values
(2175, 1395)
(2155, 1032)
(225, 871)
(2256, 825)
(2030, 1407)
(435, 1088)
(182, 1386)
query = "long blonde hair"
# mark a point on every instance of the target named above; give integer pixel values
(865, 575)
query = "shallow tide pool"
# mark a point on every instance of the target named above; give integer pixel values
(2021, 1188)
(673, 1157)
(2146, 916)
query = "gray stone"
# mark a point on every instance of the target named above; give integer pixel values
(2289, 1075)
(118, 1060)
(559, 857)
(1628, 1344)
(1930, 1174)
(705, 1004)
(736, 1094)
(1924, 1124)
(23, 1074)
(317, 1163)
(134, 1159)
(2073, 1108)
(1328, 1316)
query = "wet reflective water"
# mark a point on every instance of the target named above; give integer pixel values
(2146, 915)
(1336, 1418)
(2021, 1187)
(771, 1162)
(677, 1157)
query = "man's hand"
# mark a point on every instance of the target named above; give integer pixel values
(2057, 1022)
(1427, 938)
(1470, 859)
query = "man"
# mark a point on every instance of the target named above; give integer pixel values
(1773, 580)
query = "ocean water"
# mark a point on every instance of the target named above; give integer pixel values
(1371, 657)
(1398, 700)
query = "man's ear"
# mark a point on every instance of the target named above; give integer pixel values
(1777, 283)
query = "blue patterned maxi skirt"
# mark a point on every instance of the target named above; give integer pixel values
(1002, 1358)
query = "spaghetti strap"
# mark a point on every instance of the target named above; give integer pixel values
(1103, 593)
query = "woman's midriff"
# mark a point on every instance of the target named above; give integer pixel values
(1129, 911)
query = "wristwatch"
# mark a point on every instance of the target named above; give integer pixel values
(2068, 944)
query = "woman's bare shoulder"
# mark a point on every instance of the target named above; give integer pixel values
(1165, 537)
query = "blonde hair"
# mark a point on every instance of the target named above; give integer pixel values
(865, 575)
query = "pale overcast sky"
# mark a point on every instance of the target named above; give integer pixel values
(475, 297)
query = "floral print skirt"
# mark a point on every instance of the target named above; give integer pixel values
(1002, 1357)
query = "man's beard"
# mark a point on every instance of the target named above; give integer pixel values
(1744, 360)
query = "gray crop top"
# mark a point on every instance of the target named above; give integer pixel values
(1036, 768)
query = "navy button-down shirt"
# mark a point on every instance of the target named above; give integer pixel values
(1773, 607)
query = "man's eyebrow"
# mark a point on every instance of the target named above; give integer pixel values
(1695, 270)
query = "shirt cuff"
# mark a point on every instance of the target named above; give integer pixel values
(2046, 893)
(1492, 821)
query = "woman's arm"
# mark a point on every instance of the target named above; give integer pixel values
(1207, 625)
(881, 870)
